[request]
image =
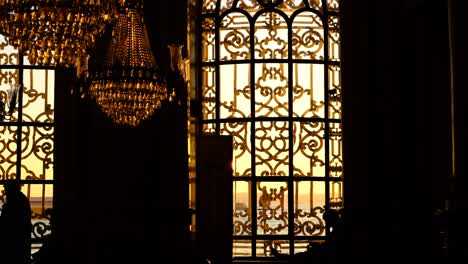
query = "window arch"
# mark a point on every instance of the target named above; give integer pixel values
(27, 135)
(269, 76)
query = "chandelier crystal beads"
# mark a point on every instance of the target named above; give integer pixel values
(55, 32)
(129, 88)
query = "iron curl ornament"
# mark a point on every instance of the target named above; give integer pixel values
(55, 32)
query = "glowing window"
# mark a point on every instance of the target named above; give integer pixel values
(270, 76)
(27, 135)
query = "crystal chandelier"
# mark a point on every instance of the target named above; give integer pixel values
(128, 87)
(55, 32)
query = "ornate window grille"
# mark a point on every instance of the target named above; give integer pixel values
(27, 135)
(269, 75)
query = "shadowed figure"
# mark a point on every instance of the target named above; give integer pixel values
(15, 226)
(328, 252)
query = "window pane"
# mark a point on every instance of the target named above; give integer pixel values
(301, 246)
(308, 37)
(271, 37)
(281, 245)
(242, 248)
(334, 91)
(235, 91)
(336, 150)
(8, 150)
(272, 148)
(336, 195)
(308, 90)
(242, 155)
(208, 40)
(334, 38)
(264, 247)
(37, 153)
(208, 93)
(40, 197)
(242, 209)
(38, 96)
(271, 90)
(8, 54)
(309, 149)
(234, 34)
(309, 204)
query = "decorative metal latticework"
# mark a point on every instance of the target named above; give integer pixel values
(269, 76)
(128, 88)
(55, 32)
(27, 136)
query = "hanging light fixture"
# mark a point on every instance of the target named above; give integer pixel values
(55, 32)
(128, 87)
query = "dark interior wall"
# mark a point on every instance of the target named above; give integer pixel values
(396, 126)
(458, 229)
(121, 193)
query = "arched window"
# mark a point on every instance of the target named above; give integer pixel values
(27, 134)
(269, 76)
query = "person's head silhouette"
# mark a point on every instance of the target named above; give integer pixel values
(12, 188)
(331, 217)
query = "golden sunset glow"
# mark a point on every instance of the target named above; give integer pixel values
(273, 83)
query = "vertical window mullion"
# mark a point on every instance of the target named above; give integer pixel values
(327, 108)
(20, 115)
(217, 74)
(291, 200)
(253, 186)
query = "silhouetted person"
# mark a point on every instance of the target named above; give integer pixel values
(334, 245)
(328, 252)
(15, 226)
